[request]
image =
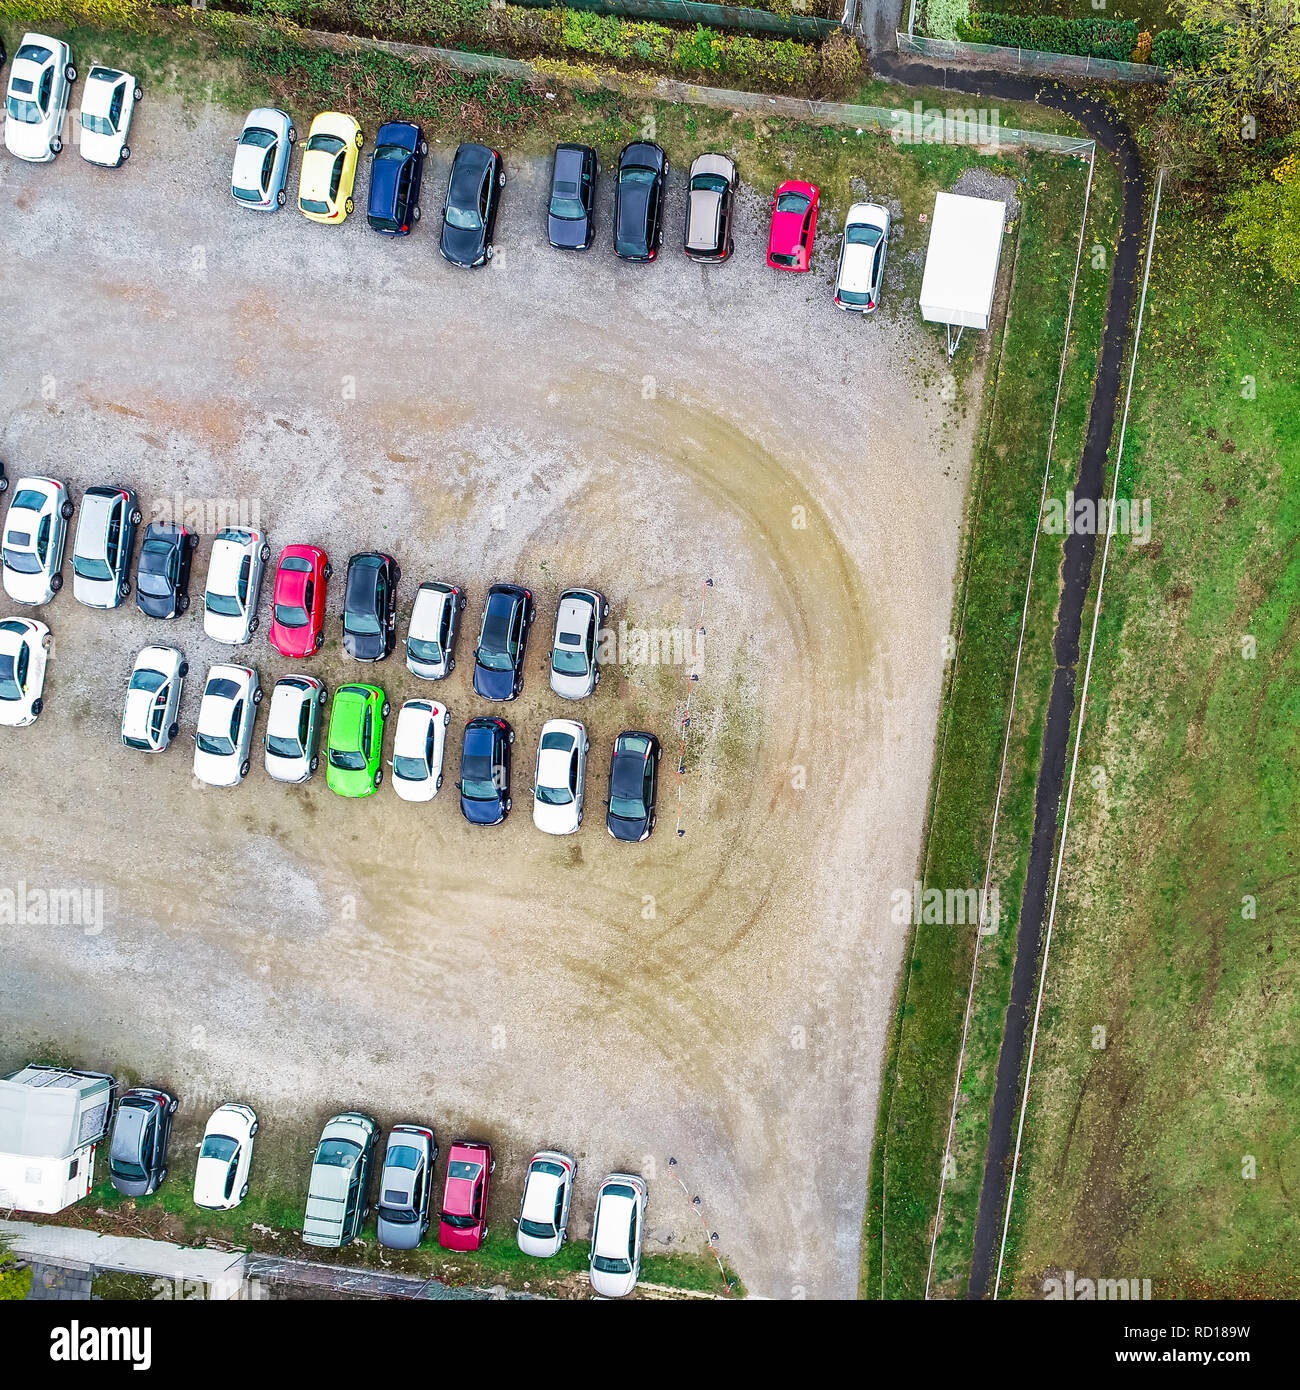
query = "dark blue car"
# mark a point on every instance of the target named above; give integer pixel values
(396, 169)
(502, 642)
(484, 783)
(470, 216)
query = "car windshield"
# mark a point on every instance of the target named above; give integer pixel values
(855, 297)
(327, 144)
(476, 780)
(9, 687)
(363, 624)
(227, 605)
(22, 561)
(24, 112)
(283, 746)
(97, 125)
(347, 761)
(636, 173)
(146, 680)
(793, 202)
(398, 1216)
(290, 615)
(216, 744)
(459, 1223)
(89, 568)
(607, 1265)
(782, 259)
(313, 205)
(709, 183)
(220, 1147)
(464, 219)
(391, 152)
(627, 807)
(860, 234)
(337, 1153)
(424, 649)
(554, 796)
(124, 1168)
(410, 769)
(565, 203)
(565, 661)
(257, 136)
(541, 1229)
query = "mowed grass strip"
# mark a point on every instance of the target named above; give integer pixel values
(1163, 1136)
(921, 1068)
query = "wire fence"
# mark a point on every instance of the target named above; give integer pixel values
(807, 27)
(1030, 59)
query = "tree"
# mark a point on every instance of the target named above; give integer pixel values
(1264, 216)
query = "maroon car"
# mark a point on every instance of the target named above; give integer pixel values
(465, 1196)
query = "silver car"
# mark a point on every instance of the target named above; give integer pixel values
(101, 552)
(710, 206)
(293, 728)
(153, 699)
(431, 637)
(262, 159)
(35, 534)
(406, 1186)
(575, 670)
(862, 258)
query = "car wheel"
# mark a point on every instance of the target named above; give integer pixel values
(162, 1178)
(509, 803)
(322, 697)
(47, 641)
(257, 696)
(348, 205)
(383, 713)
(397, 574)
(183, 669)
(125, 155)
(462, 603)
(379, 775)
(415, 213)
(502, 181)
(265, 553)
(490, 253)
(193, 540)
(328, 572)
(281, 198)
(361, 139)
(137, 517)
(320, 642)
(512, 735)
(293, 135)
(56, 582)
(437, 786)
(70, 73)
(253, 626)
(314, 764)
(139, 94)
(56, 145)
(184, 603)
(65, 511)
(123, 588)
(172, 732)
(243, 1192)
(37, 706)
(243, 768)
(424, 147)
(446, 716)
(451, 665)
(253, 1128)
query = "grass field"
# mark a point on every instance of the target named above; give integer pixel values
(1162, 1140)
(1005, 497)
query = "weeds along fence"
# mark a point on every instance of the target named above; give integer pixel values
(691, 12)
(1029, 59)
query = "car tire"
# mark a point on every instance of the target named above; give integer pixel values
(162, 1178)
(361, 139)
(281, 198)
(320, 640)
(383, 713)
(243, 1192)
(348, 207)
(415, 213)
(183, 669)
(265, 553)
(47, 641)
(253, 626)
(56, 582)
(253, 1128)
(490, 252)
(257, 696)
(322, 697)
(446, 717)
(37, 706)
(70, 73)
(137, 517)
(65, 511)
(328, 572)
(512, 735)
(56, 145)
(172, 732)
(293, 134)
(438, 785)
(193, 540)
(184, 603)
(397, 574)
(125, 155)
(243, 768)
(314, 764)
(424, 147)
(139, 94)
(461, 603)
(379, 775)
(501, 179)
(451, 665)
(509, 804)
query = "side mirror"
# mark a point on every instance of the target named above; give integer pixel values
(458, 784)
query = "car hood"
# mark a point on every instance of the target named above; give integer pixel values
(460, 246)
(364, 646)
(101, 149)
(231, 630)
(399, 1235)
(27, 588)
(27, 141)
(217, 771)
(210, 1183)
(787, 228)
(458, 1238)
(483, 812)
(95, 593)
(630, 830)
(564, 232)
(538, 1248)
(571, 687)
(555, 820)
(493, 685)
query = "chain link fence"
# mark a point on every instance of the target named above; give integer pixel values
(794, 26)
(1030, 60)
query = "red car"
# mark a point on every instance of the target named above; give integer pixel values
(794, 224)
(465, 1196)
(298, 607)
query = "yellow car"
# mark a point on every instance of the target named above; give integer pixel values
(329, 167)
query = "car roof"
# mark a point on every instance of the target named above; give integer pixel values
(412, 722)
(616, 1212)
(286, 701)
(539, 1195)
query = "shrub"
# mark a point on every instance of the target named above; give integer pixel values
(1176, 48)
(1092, 38)
(1142, 49)
(943, 16)
(841, 62)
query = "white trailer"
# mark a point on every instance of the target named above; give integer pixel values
(51, 1122)
(961, 264)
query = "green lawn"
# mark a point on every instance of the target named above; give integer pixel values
(1169, 1147)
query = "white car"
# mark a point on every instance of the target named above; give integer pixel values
(23, 647)
(418, 748)
(561, 781)
(35, 534)
(40, 82)
(107, 104)
(293, 728)
(544, 1211)
(225, 732)
(615, 1256)
(862, 258)
(262, 159)
(225, 1156)
(153, 699)
(574, 669)
(235, 570)
(431, 637)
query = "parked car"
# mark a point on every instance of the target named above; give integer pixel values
(338, 1199)
(101, 551)
(639, 201)
(329, 168)
(862, 258)
(224, 738)
(710, 206)
(262, 154)
(470, 216)
(465, 1195)
(633, 785)
(406, 1186)
(4, 479)
(431, 636)
(152, 709)
(794, 225)
(137, 1148)
(108, 102)
(575, 671)
(225, 1157)
(484, 783)
(370, 606)
(35, 534)
(544, 1211)
(570, 215)
(561, 781)
(162, 577)
(356, 740)
(24, 649)
(503, 641)
(40, 82)
(616, 1232)
(239, 557)
(396, 172)
(298, 601)
(418, 747)
(293, 728)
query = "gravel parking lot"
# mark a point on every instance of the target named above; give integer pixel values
(720, 997)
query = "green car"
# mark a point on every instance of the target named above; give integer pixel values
(356, 740)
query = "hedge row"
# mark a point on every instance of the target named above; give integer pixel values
(1088, 38)
(1176, 48)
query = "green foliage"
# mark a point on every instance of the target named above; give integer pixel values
(14, 1284)
(1091, 38)
(841, 63)
(1264, 217)
(1177, 48)
(943, 16)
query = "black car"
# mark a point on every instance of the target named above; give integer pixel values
(162, 578)
(633, 785)
(396, 171)
(370, 606)
(470, 216)
(570, 215)
(137, 1149)
(502, 642)
(639, 201)
(484, 783)
(4, 481)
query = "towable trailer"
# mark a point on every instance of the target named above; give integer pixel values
(52, 1120)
